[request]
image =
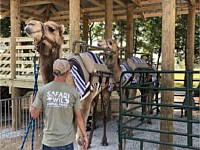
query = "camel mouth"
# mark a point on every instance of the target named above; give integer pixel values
(100, 45)
(27, 31)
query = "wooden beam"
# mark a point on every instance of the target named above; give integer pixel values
(95, 2)
(33, 10)
(108, 19)
(168, 46)
(61, 3)
(15, 32)
(193, 2)
(55, 12)
(85, 27)
(143, 16)
(121, 3)
(5, 14)
(74, 21)
(137, 2)
(35, 2)
(129, 36)
(190, 38)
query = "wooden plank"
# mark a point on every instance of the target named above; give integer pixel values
(25, 47)
(18, 62)
(137, 2)
(5, 14)
(193, 2)
(35, 2)
(20, 83)
(95, 2)
(121, 3)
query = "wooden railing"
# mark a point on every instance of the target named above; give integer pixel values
(24, 57)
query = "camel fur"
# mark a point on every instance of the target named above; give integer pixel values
(48, 40)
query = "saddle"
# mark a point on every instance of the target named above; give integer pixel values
(135, 63)
(88, 70)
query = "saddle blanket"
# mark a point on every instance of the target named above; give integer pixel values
(134, 64)
(91, 64)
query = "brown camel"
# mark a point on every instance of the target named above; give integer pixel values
(48, 40)
(113, 62)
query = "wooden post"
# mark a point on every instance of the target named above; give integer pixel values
(15, 32)
(190, 37)
(108, 33)
(108, 18)
(74, 20)
(85, 27)
(168, 45)
(129, 39)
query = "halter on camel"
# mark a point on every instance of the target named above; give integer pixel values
(38, 46)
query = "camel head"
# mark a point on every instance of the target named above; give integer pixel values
(111, 52)
(47, 36)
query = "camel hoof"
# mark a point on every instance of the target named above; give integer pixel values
(104, 144)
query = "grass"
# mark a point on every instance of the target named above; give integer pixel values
(178, 76)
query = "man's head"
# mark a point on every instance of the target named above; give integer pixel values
(60, 67)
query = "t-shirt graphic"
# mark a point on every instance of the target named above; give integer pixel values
(57, 99)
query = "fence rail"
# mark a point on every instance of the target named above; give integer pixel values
(146, 136)
(12, 131)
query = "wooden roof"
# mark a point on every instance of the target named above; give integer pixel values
(58, 10)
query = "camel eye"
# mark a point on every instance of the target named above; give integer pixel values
(51, 29)
(110, 43)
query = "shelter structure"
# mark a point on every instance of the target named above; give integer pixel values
(73, 12)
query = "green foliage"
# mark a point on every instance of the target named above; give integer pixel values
(5, 27)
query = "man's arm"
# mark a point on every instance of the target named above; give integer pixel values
(35, 112)
(81, 125)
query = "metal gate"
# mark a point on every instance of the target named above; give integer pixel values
(133, 122)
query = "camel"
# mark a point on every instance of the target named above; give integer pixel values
(113, 62)
(48, 40)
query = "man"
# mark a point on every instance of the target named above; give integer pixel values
(60, 103)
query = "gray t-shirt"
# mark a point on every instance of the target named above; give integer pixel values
(58, 101)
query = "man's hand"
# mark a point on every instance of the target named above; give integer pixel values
(32, 97)
(85, 142)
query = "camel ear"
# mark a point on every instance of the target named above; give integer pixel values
(61, 29)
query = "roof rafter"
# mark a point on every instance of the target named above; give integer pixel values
(121, 3)
(36, 2)
(193, 2)
(5, 14)
(95, 2)
(137, 2)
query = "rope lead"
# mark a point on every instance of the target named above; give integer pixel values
(32, 121)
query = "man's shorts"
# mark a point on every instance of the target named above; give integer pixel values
(66, 147)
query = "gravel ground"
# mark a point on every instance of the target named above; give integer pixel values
(112, 136)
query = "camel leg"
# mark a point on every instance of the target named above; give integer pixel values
(106, 100)
(86, 105)
(93, 119)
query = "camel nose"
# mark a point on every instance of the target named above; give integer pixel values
(27, 30)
